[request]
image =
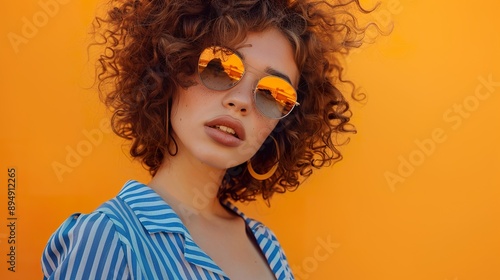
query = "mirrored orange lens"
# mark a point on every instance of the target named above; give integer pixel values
(275, 97)
(220, 68)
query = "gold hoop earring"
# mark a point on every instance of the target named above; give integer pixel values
(268, 174)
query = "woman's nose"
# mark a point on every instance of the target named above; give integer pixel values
(240, 97)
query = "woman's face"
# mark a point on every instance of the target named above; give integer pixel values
(224, 128)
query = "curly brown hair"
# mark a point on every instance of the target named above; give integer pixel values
(150, 47)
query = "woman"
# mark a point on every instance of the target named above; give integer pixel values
(222, 100)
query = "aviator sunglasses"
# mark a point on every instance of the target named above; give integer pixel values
(221, 68)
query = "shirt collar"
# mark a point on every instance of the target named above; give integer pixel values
(151, 210)
(157, 216)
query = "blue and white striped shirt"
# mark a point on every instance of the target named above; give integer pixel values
(137, 235)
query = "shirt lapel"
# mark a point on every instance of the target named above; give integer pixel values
(157, 216)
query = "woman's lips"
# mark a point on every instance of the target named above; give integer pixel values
(222, 137)
(226, 130)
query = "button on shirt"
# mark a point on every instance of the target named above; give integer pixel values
(137, 235)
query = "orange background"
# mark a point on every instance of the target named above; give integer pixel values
(416, 197)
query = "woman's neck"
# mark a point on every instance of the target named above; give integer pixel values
(190, 188)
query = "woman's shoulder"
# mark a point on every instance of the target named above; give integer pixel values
(78, 242)
(81, 228)
(100, 227)
(88, 222)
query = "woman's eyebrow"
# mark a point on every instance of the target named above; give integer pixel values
(274, 72)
